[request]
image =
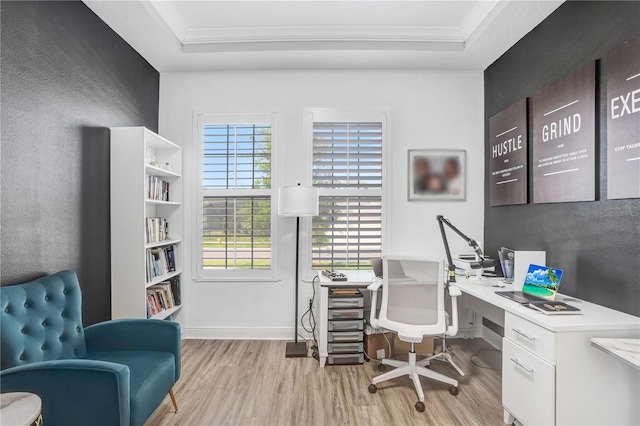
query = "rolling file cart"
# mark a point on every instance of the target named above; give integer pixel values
(345, 326)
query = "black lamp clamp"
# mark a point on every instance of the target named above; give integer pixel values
(482, 262)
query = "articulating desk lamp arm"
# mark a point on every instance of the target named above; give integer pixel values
(481, 263)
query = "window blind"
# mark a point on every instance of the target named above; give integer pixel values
(237, 156)
(347, 155)
(347, 233)
(236, 232)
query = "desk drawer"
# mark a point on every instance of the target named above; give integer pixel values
(345, 348)
(345, 336)
(346, 313)
(532, 337)
(340, 325)
(528, 385)
(346, 302)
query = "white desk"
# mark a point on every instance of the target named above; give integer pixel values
(357, 279)
(551, 374)
(626, 350)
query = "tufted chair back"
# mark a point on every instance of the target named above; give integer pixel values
(41, 320)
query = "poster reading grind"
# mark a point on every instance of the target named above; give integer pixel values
(508, 156)
(623, 121)
(564, 167)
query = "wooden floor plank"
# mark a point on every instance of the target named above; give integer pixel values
(236, 382)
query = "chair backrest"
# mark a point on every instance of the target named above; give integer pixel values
(41, 320)
(413, 302)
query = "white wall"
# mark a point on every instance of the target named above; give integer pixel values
(428, 109)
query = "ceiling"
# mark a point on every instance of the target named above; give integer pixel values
(180, 36)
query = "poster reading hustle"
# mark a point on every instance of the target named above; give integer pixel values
(564, 163)
(508, 156)
(623, 121)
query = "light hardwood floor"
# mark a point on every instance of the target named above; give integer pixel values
(233, 382)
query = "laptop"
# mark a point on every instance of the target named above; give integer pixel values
(541, 283)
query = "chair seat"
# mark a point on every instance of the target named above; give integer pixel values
(152, 375)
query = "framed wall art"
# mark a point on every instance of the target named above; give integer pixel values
(437, 175)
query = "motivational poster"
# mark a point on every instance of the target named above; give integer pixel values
(564, 139)
(508, 156)
(623, 121)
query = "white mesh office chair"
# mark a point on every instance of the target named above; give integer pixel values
(413, 305)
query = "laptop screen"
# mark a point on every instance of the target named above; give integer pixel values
(542, 281)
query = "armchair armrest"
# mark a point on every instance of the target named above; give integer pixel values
(74, 391)
(135, 335)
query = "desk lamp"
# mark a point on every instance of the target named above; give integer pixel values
(298, 201)
(480, 263)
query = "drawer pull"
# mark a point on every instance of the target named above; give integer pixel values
(528, 370)
(523, 334)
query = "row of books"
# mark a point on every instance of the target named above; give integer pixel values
(160, 261)
(157, 189)
(157, 229)
(163, 296)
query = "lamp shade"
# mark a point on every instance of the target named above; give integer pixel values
(298, 201)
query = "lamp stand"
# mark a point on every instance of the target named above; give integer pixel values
(296, 349)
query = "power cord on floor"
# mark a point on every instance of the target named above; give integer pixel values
(483, 366)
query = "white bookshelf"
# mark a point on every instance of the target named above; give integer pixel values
(132, 149)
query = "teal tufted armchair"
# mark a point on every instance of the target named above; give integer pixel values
(112, 373)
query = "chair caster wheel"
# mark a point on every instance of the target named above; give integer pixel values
(382, 367)
(373, 388)
(453, 390)
(420, 406)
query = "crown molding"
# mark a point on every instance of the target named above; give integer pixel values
(322, 38)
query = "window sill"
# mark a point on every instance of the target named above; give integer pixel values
(237, 279)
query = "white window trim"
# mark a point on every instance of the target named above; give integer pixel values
(373, 114)
(232, 275)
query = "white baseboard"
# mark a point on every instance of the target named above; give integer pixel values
(239, 333)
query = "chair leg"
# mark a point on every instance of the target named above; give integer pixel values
(173, 400)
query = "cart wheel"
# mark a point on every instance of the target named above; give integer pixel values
(453, 390)
(382, 367)
(373, 388)
(420, 406)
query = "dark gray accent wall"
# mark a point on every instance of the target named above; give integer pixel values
(597, 244)
(66, 77)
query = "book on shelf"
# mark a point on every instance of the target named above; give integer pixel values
(550, 307)
(160, 261)
(157, 229)
(163, 296)
(157, 189)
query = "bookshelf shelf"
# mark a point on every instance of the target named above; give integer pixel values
(135, 219)
(166, 313)
(162, 243)
(158, 280)
(162, 203)
(159, 172)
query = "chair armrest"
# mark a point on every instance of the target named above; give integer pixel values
(135, 335)
(375, 285)
(454, 291)
(74, 391)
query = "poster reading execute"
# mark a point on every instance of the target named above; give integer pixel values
(623, 121)
(508, 156)
(564, 167)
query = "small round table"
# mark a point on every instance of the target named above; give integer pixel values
(20, 409)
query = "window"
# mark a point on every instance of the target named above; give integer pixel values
(235, 232)
(347, 167)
